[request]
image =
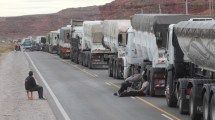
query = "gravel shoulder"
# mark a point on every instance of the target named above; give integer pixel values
(14, 104)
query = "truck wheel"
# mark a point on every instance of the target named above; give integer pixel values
(89, 62)
(110, 70)
(152, 83)
(193, 106)
(114, 69)
(182, 106)
(212, 107)
(85, 60)
(71, 58)
(78, 59)
(60, 55)
(183, 103)
(117, 70)
(206, 106)
(81, 59)
(170, 96)
(63, 56)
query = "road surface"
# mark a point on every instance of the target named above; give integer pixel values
(78, 93)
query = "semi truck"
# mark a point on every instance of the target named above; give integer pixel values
(191, 68)
(37, 43)
(53, 41)
(64, 42)
(93, 53)
(27, 43)
(76, 34)
(115, 39)
(148, 48)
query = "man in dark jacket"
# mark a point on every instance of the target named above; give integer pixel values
(30, 85)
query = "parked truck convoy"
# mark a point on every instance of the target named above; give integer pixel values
(64, 42)
(190, 73)
(176, 52)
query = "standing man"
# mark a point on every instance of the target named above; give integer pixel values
(128, 81)
(30, 85)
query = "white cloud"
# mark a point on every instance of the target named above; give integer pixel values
(28, 7)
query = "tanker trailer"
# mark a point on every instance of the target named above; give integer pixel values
(93, 53)
(150, 37)
(191, 68)
(115, 39)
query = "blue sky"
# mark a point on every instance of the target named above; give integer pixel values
(30, 7)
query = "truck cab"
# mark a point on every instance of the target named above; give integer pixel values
(27, 43)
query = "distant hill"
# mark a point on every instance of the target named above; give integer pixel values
(33, 25)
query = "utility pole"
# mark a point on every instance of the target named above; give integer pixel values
(186, 6)
(209, 7)
(159, 6)
(212, 6)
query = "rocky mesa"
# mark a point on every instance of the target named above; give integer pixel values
(33, 25)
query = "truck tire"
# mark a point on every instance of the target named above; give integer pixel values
(89, 62)
(71, 57)
(181, 106)
(196, 97)
(82, 59)
(110, 68)
(212, 104)
(85, 60)
(117, 70)
(212, 109)
(151, 84)
(114, 69)
(193, 106)
(206, 106)
(170, 96)
(183, 103)
(61, 55)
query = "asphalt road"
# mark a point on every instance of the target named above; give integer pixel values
(78, 93)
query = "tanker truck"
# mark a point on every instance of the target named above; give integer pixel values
(93, 53)
(64, 42)
(115, 39)
(76, 34)
(191, 68)
(149, 46)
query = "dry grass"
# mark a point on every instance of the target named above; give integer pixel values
(5, 47)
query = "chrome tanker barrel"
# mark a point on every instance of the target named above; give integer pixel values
(197, 41)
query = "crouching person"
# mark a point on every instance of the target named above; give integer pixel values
(30, 86)
(141, 92)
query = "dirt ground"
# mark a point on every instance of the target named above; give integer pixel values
(14, 104)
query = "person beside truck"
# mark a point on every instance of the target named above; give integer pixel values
(137, 77)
